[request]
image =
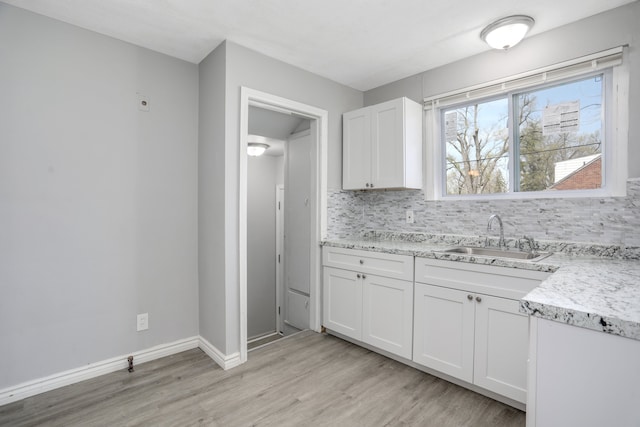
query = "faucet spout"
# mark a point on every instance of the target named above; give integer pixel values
(501, 243)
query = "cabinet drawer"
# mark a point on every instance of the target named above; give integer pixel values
(387, 265)
(502, 282)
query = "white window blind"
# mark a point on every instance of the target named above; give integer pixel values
(568, 69)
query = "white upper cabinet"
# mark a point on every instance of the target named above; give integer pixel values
(382, 146)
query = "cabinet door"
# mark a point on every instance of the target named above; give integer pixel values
(356, 149)
(387, 314)
(502, 342)
(387, 144)
(342, 302)
(443, 330)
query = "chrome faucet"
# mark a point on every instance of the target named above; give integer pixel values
(501, 243)
(532, 244)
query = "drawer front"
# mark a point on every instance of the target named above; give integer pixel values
(502, 282)
(387, 265)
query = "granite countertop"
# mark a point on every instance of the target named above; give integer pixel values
(591, 286)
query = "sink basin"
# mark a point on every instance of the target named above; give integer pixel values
(497, 253)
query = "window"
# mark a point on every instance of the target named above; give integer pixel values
(560, 131)
(544, 139)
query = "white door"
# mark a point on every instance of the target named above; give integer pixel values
(501, 347)
(279, 256)
(298, 231)
(443, 330)
(342, 302)
(387, 314)
(387, 144)
(356, 149)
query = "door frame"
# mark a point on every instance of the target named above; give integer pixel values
(279, 250)
(252, 97)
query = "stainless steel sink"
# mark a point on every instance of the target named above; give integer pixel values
(498, 253)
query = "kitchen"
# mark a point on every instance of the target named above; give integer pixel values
(110, 212)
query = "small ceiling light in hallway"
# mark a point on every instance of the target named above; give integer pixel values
(256, 148)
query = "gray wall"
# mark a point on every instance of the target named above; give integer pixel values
(606, 30)
(98, 201)
(262, 177)
(211, 197)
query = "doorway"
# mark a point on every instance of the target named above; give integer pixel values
(278, 274)
(318, 130)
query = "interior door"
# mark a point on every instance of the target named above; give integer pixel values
(297, 231)
(279, 256)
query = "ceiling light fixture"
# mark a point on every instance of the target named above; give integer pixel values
(256, 149)
(507, 32)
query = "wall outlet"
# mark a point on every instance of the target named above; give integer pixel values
(143, 322)
(410, 217)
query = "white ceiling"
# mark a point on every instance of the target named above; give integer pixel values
(359, 43)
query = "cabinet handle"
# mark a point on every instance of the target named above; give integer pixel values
(478, 299)
(358, 276)
(361, 261)
(367, 185)
(470, 297)
(371, 185)
(364, 277)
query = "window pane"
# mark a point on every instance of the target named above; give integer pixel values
(476, 140)
(560, 136)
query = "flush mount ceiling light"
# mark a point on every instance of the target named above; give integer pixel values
(507, 32)
(256, 148)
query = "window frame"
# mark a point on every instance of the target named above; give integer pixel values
(615, 125)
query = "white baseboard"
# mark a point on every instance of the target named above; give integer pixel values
(225, 361)
(92, 370)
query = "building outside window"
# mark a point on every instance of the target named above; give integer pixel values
(548, 138)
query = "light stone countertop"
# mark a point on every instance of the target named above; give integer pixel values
(597, 293)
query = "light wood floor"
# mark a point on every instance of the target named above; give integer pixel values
(304, 380)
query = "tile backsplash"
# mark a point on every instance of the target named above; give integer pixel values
(610, 220)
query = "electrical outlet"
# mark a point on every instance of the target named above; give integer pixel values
(410, 217)
(143, 322)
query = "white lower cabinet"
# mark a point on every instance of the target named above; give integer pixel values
(342, 302)
(443, 330)
(501, 347)
(470, 335)
(387, 314)
(477, 338)
(377, 308)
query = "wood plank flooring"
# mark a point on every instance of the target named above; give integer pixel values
(307, 379)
